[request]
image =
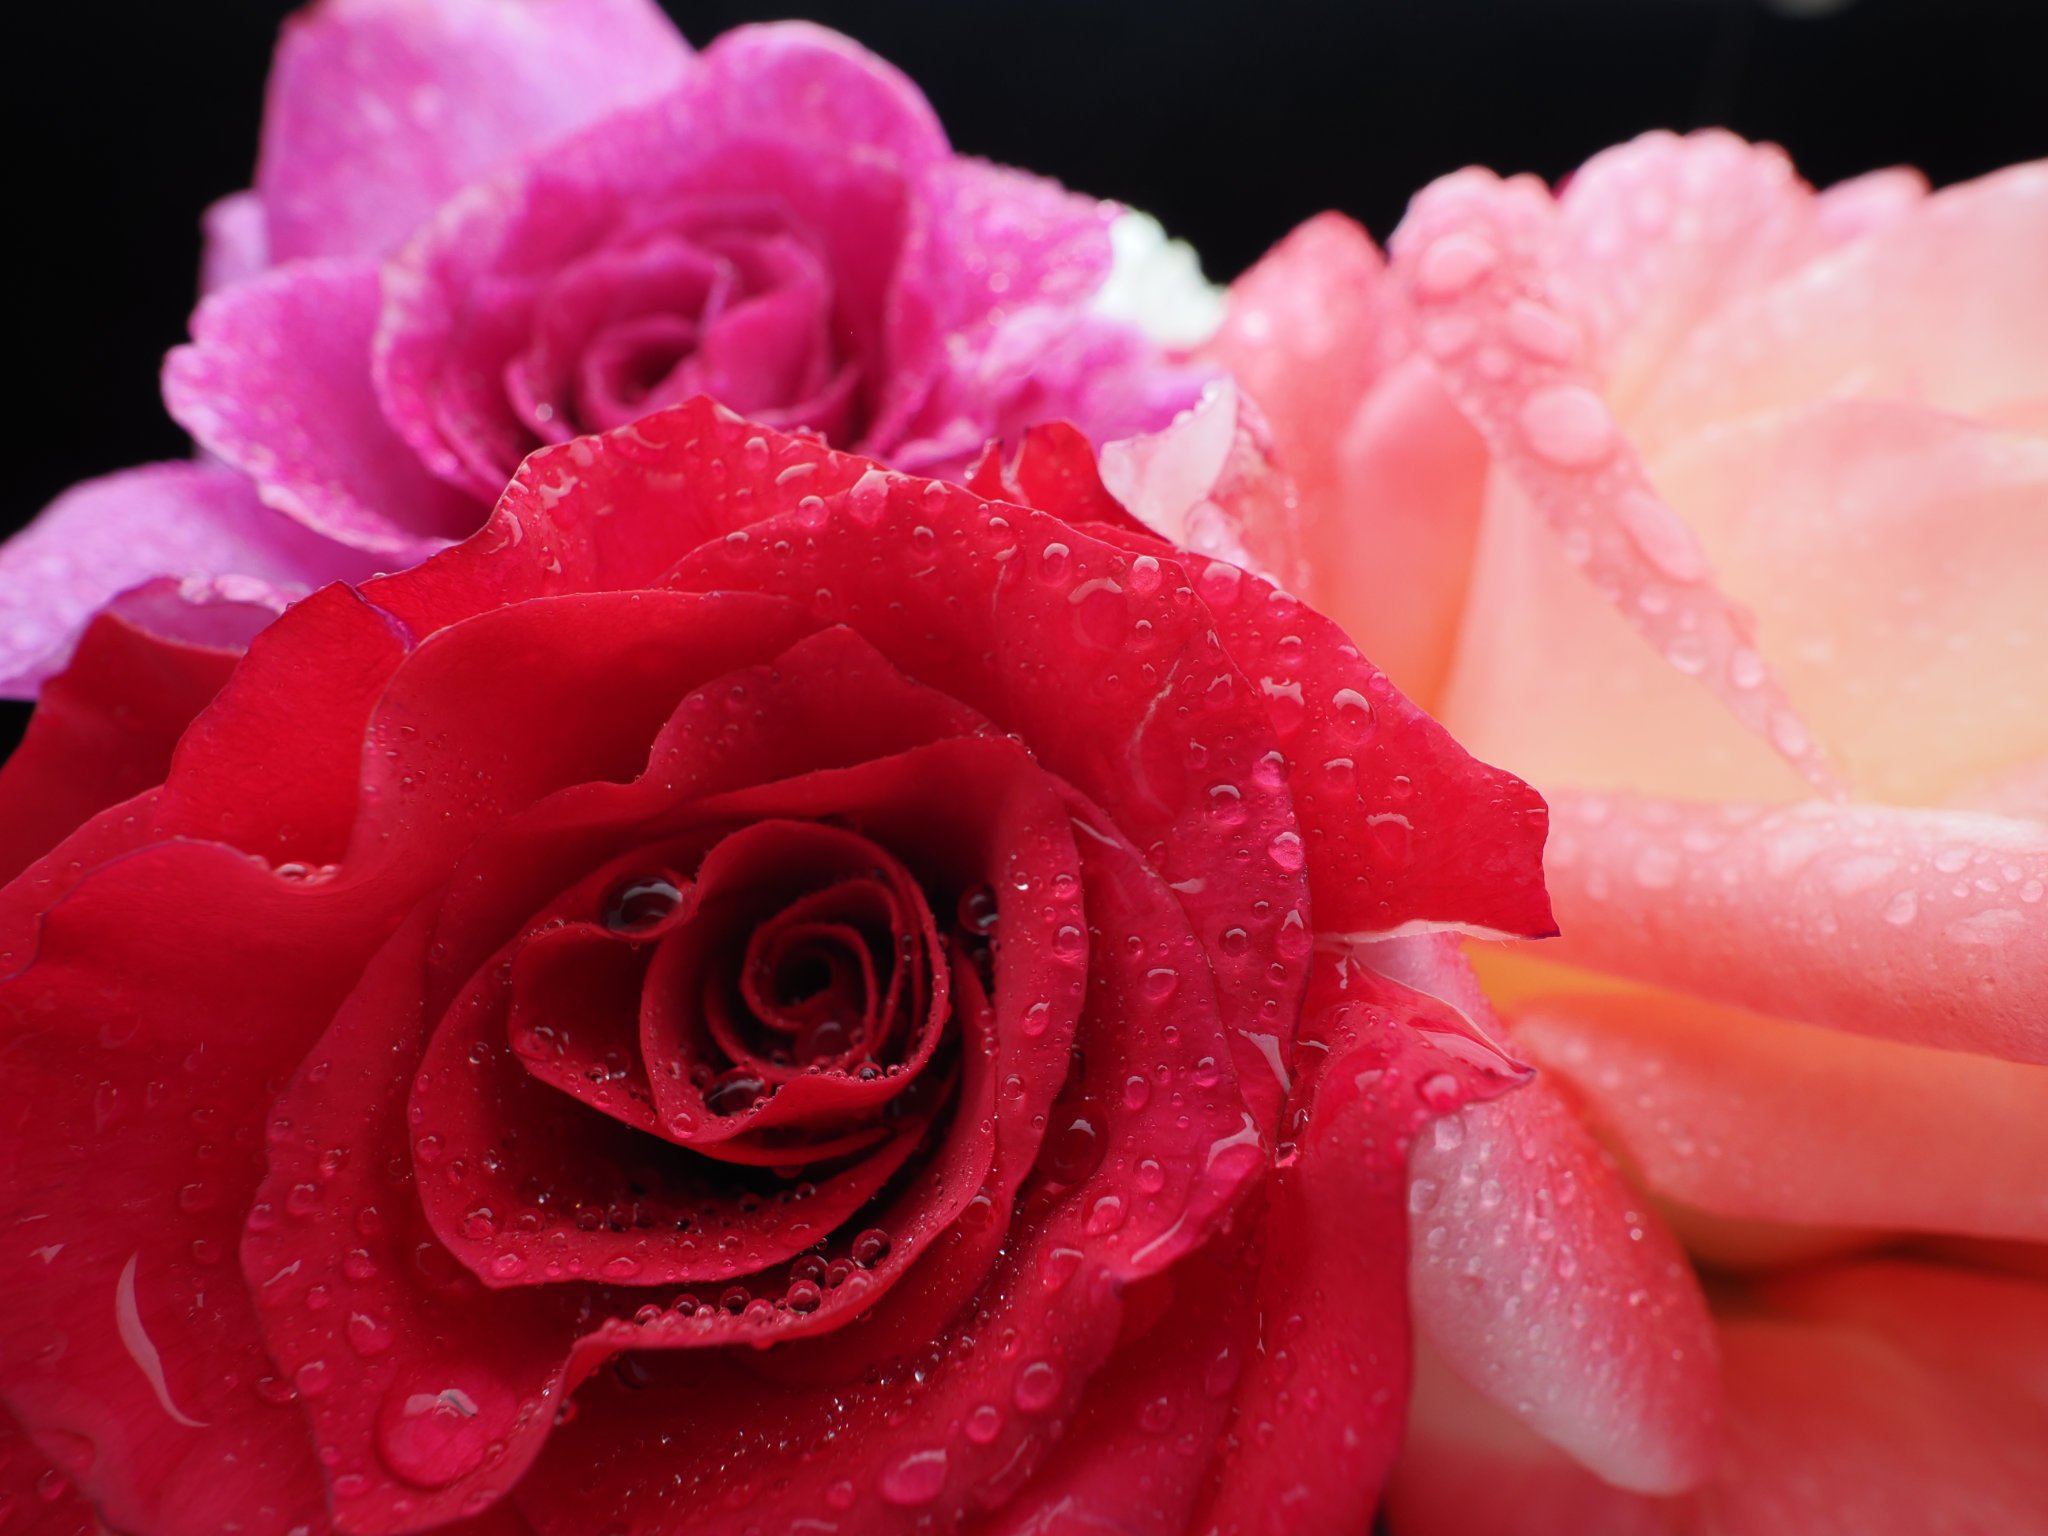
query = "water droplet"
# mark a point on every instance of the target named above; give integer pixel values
(366, 1335)
(1354, 715)
(432, 1438)
(1662, 536)
(914, 1478)
(1452, 265)
(1073, 1149)
(1567, 426)
(1286, 851)
(734, 1092)
(984, 1423)
(1158, 986)
(637, 904)
(871, 1247)
(1541, 331)
(869, 498)
(1052, 563)
(1037, 1386)
(1902, 909)
(1105, 1216)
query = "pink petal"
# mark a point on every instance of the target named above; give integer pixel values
(1389, 474)
(378, 110)
(1654, 235)
(237, 242)
(1748, 1117)
(1202, 481)
(1946, 306)
(276, 381)
(196, 521)
(1891, 553)
(1923, 926)
(1472, 257)
(1554, 1289)
(809, 84)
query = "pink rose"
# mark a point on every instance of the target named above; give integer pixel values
(1722, 512)
(479, 228)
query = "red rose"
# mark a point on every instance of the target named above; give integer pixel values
(756, 994)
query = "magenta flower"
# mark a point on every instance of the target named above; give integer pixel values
(478, 229)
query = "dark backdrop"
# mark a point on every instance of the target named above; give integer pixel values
(1230, 119)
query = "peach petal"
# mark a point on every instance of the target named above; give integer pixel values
(1468, 1469)
(1750, 1117)
(1838, 1432)
(1655, 234)
(1962, 1324)
(1946, 306)
(1892, 554)
(1551, 677)
(1923, 926)
(1545, 1281)
(1552, 1288)
(1545, 423)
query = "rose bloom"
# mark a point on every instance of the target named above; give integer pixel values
(758, 993)
(1719, 507)
(480, 227)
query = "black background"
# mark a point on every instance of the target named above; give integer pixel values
(1231, 120)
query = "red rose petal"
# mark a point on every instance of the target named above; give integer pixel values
(1451, 842)
(273, 764)
(1143, 713)
(103, 731)
(161, 1401)
(1137, 1457)
(430, 1393)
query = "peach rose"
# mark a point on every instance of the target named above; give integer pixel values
(1718, 508)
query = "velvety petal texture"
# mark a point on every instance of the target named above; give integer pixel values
(866, 1060)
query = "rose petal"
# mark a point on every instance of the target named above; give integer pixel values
(1577, 1312)
(1745, 1116)
(428, 1401)
(97, 737)
(237, 243)
(158, 1386)
(1922, 926)
(1657, 234)
(1958, 264)
(1457, 850)
(106, 535)
(378, 110)
(1885, 548)
(276, 382)
(1837, 1430)
(1390, 476)
(274, 762)
(1552, 1288)
(1471, 256)
(1468, 1468)
(33, 1490)
(1133, 1459)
